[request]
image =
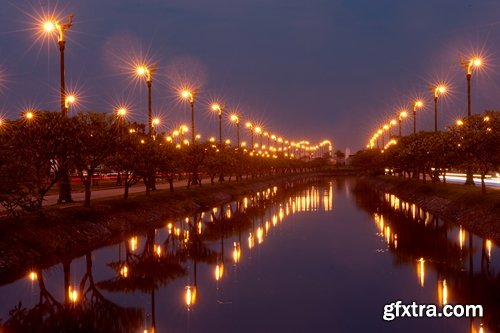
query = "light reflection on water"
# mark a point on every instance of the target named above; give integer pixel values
(287, 254)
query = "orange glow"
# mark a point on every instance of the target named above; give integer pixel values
(190, 296)
(418, 104)
(29, 115)
(121, 111)
(459, 122)
(156, 121)
(72, 294)
(216, 107)
(234, 118)
(33, 276)
(403, 114)
(124, 271)
(236, 252)
(70, 99)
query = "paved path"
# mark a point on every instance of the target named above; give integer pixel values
(79, 197)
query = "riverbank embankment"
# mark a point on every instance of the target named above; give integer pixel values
(456, 203)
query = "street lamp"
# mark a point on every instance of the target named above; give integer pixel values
(402, 115)
(235, 119)
(52, 26)
(391, 124)
(258, 130)
(154, 123)
(249, 125)
(68, 101)
(144, 71)
(417, 105)
(469, 66)
(218, 108)
(438, 91)
(190, 95)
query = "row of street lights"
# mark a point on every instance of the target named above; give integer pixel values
(438, 90)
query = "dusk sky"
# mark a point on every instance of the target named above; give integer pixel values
(310, 69)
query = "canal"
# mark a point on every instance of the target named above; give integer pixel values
(321, 255)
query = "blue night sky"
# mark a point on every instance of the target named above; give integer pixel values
(310, 69)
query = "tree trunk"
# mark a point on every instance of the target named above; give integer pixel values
(87, 184)
(483, 185)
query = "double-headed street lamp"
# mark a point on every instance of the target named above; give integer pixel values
(219, 108)
(190, 95)
(416, 105)
(235, 119)
(438, 91)
(147, 73)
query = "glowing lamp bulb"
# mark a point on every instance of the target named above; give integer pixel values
(419, 104)
(49, 26)
(29, 115)
(156, 121)
(215, 107)
(476, 62)
(185, 94)
(441, 89)
(121, 112)
(141, 70)
(71, 99)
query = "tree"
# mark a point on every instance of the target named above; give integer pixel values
(96, 140)
(32, 154)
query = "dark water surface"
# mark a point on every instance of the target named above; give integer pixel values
(322, 256)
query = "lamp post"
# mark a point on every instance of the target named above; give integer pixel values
(50, 27)
(61, 28)
(249, 125)
(469, 66)
(402, 115)
(144, 71)
(218, 108)
(417, 105)
(154, 123)
(391, 124)
(190, 95)
(235, 119)
(258, 130)
(438, 90)
(266, 134)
